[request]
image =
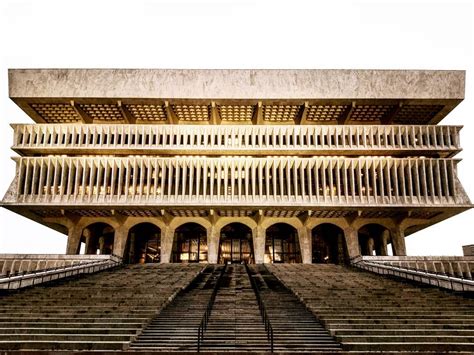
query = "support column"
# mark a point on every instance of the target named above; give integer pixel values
(258, 236)
(384, 241)
(340, 249)
(352, 241)
(73, 240)
(370, 246)
(398, 242)
(120, 240)
(101, 245)
(167, 239)
(304, 238)
(87, 235)
(91, 242)
(213, 237)
(131, 252)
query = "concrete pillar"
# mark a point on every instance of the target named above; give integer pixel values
(258, 235)
(101, 245)
(167, 239)
(352, 241)
(370, 246)
(340, 249)
(304, 238)
(120, 240)
(131, 251)
(87, 248)
(398, 242)
(73, 240)
(383, 242)
(213, 237)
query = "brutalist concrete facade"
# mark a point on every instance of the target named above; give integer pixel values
(236, 165)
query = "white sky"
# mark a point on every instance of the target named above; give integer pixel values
(237, 34)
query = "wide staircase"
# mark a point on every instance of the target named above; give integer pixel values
(175, 328)
(103, 311)
(295, 328)
(367, 312)
(235, 323)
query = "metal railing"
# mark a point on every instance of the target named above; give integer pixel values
(421, 276)
(262, 309)
(207, 314)
(27, 279)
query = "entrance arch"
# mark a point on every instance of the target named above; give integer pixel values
(281, 244)
(373, 239)
(236, 244)
(98, 238)
(143, 244)
(190, 244)
(328, 245)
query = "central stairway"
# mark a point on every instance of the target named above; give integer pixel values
(295, 327)
(235, 323)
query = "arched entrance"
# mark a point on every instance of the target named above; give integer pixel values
(328, 245)
(373, 239)
(98, 238)
(235, 244)
(143, 244)
(281, 244)
(190, 244)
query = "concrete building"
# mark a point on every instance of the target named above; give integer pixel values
(292, 171)
(236, 165)
(468, 250)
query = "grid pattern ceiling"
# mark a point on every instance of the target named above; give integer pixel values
(269, 113)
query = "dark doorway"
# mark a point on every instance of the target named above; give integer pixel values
(143, 244)
(190, 244)
(235, 245)
(98, 238)
(281, 244)
(373, 239)
(329, 245)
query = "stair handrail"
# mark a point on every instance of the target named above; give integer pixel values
(73, 270)
(207, 313)
(420, 274)
(262, 308)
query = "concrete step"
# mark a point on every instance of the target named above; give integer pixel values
(61, 345)
(104, 313)
(407, 346)
(369, 313)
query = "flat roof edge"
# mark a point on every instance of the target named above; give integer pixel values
(237, 83)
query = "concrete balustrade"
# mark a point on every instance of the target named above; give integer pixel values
(25, 263)
(237, 181)
(236, 139)
(459, 267)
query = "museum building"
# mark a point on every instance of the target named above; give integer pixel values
(251, 166)
(236, 210)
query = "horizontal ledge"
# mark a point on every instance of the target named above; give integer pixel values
(236, 83)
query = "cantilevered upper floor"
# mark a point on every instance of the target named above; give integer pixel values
(236, 96)
(319, 145)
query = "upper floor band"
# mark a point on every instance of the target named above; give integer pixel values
(237, 181)
(395, 140)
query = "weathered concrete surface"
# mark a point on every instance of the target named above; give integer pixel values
(236, 84)
(468, 250)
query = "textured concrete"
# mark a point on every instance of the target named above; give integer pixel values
(468, 250)
(236, 84)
